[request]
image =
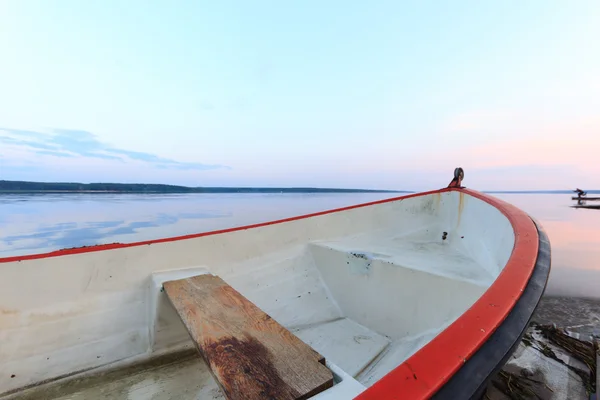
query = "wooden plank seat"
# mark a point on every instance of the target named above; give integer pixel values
(250, 355)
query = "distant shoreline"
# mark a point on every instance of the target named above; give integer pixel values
(24, 187)
(208, 191)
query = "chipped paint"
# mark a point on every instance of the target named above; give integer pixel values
(359, 263)
(437, 199)
(461, 207)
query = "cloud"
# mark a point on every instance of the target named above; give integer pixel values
(27, 134)
(71, 143)
(26, 143)
(81, 143)
(55, 153)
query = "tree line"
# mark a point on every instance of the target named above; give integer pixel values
(24, 186)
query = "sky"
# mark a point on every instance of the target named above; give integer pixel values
(379, 94)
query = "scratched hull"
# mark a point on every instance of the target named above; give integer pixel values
(403, 297)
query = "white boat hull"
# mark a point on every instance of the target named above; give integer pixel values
(367, 287)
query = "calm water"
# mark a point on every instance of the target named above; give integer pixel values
(40, 223)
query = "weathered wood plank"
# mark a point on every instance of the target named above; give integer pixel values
(250, 354)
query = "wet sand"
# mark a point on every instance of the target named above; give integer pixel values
(578, 315)
(535, 375)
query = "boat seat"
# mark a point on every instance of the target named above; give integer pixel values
(250, 354)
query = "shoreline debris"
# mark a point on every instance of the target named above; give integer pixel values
(549, 363)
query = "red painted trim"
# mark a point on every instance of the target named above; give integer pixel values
(426, 371)
(102, 247)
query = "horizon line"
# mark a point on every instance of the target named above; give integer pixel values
(515, 191)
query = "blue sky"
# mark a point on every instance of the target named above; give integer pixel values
(383, 94)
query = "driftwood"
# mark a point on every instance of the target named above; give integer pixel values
(516, 383)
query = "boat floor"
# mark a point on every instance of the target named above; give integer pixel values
(357, 350)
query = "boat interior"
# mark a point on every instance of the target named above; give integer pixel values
(365, 287)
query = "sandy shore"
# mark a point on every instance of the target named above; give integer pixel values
(574, 314)
(535, 370)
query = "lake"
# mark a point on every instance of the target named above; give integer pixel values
(34, 223)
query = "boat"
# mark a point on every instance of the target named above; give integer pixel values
(584, 198)
(420, 296)
(587, 206)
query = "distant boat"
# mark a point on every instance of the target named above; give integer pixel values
(419, 296)
(585, 198)
(587, 206)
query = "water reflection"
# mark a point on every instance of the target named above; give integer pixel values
(583, 203)
(44, 222)
(574, 235)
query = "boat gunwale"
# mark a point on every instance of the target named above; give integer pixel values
(472, 379)
(426, 371)
(423, 374)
